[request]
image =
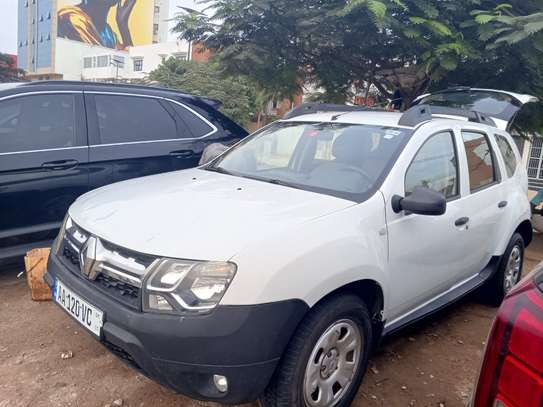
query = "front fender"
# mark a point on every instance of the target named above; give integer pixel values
(311, 260)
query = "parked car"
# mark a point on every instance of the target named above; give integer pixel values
(61, 139)
(272, 271)
(513, 364)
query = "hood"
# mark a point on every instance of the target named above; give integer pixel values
(502, 106)
(196, 214)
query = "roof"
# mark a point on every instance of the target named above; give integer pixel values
(102, 86)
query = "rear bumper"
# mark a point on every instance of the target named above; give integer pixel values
(243, 343)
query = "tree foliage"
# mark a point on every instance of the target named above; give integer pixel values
(404, 44)
(238, 93)
(8, 73)
(513, 35)
(410, 46)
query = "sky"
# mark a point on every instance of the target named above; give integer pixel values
(8, 22)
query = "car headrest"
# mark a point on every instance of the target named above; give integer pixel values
(352, 145)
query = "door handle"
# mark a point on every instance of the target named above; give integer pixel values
(182, 153)
(60, 164)
(502, 204)
(461, 222)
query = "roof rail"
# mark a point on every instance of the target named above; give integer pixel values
(422, 113)
(315, 107)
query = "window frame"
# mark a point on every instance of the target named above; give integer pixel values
(455, 148)
(495, 163)
(80, 124)
(95, 138)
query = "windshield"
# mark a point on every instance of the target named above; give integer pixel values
(346, 160)
(495, 104)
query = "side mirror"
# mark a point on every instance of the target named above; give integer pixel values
(422, 201)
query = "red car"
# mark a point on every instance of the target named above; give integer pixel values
(512, 370)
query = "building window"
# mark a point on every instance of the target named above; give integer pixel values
(535, 163)
(138, 64)
(157, 9)
(102, 61)
(87, 62)
(155, 29)
(180, 55)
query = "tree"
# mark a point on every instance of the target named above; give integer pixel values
(8, 73)
(513, 35)
(236, 92)
(281, 44)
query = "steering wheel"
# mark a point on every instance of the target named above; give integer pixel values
(359, 171)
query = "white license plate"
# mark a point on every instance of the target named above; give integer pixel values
(86, 314)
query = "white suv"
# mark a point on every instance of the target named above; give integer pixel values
(273, 270)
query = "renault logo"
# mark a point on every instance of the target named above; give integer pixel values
(87, 258)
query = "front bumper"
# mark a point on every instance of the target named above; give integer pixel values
(243, 343)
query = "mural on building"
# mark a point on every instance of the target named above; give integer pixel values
(109, 23)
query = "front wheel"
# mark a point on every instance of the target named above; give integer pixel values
(325, 361)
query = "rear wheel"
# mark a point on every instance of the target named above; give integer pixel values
(325, 361)
(508, 274)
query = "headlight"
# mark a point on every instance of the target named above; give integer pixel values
(58, 240)
(186, 286)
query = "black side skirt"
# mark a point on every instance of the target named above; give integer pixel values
(448, 298)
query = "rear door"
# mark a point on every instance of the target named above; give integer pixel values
(133, 136)
(484, 191)
(43, 164)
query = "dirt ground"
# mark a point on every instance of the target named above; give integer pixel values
(433, 363)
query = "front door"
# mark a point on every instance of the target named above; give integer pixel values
(427, 254)
(43, 157)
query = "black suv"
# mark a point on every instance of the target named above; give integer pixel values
(61, 139)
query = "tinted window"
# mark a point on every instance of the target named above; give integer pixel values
(480, 159)
(435, 166)
(508, 154)
(335, 158)
(39, 122)
(197, 126)
(123, 119)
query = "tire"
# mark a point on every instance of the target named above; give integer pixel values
(343, 315)
(495, 289)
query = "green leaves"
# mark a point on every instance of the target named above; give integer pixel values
(238, 93)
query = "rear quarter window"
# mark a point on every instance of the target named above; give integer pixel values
(508, 154)
(197, 125)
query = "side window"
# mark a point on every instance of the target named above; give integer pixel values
(508, 154)
(39, 122)
(435, 166)
(197, 126)
(125, 119)
(480, 159)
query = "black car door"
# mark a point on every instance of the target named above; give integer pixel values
(133, 136)
(43, 157)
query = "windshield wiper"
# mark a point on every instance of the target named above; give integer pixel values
(220, 170)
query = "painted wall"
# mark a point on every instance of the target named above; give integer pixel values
(98, 22)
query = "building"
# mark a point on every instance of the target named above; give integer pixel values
(55, 36)
(533, 159)
(95, 63)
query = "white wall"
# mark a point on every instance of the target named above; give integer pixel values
(153, 55)
(70, 55)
